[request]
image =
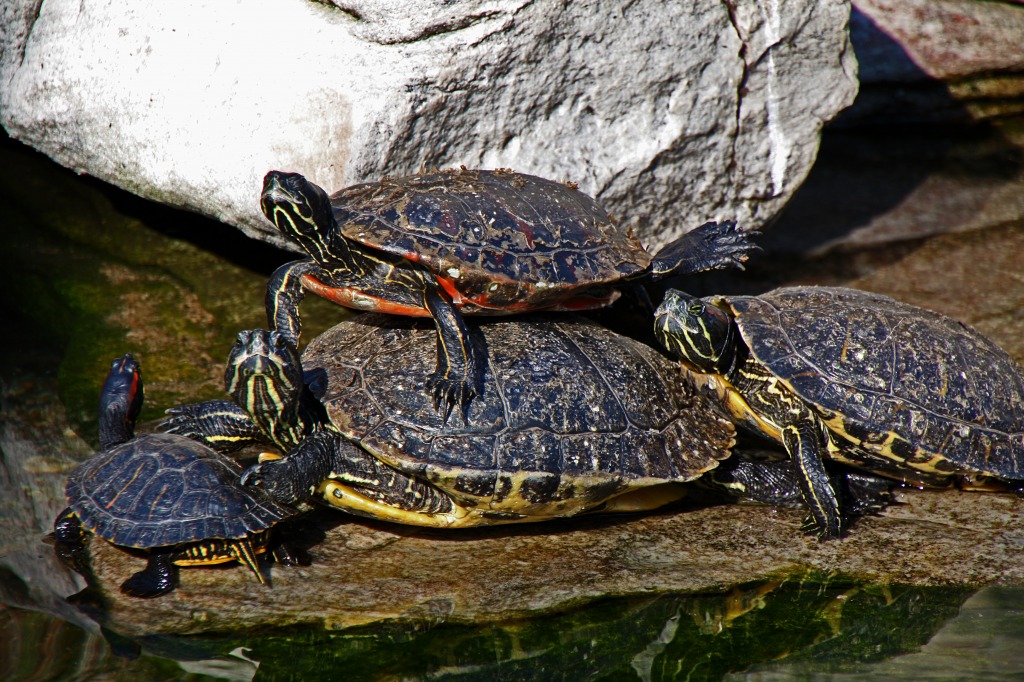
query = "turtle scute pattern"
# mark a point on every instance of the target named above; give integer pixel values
(879, 365)
(160, 489)
(566, 404)
(508, 225)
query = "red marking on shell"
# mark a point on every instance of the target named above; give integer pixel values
(527, 231)
(453, 293)
(360, 300)
(586, 302)
(448, 224)
(481, 301)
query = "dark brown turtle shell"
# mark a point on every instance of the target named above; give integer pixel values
(908, 385)
(506, 237)
(569, 414)
(161, 489)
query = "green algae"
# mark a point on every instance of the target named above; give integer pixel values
(89, 272)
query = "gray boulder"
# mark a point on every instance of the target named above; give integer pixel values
(670, 113)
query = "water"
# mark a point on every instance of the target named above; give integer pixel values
(777, 630)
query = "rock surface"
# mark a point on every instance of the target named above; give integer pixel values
(939, 59)
(378, 573)
(934, 142)
(883, 185)
(670, 114)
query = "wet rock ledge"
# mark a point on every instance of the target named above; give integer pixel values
(366, 572)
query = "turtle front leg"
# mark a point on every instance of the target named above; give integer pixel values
(712, 246)
(295, 477)
(284, 294)
(159, 577)
(327, 456)
(454, 379)
(804, 444)
(218, 424)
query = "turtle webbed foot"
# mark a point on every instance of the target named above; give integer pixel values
(159, 577)
(74, 556)
(183, 420)
(712, 246)
(731, 245)
(69, 542)
(286, 554)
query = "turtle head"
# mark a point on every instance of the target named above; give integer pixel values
(300, 210)
(697, 330)
(120, 401)
(264, 376)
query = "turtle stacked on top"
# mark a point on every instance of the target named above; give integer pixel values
(466, 242)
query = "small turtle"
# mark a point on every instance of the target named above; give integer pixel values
(176, 499)
(572, 418)
(465, 242)
(856, 377)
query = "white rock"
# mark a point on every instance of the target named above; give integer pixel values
(670, 113)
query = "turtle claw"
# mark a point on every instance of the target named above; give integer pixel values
(732, 246)
(447, 393)
(272, 477)
(811, 526)
(218, 424)
(287, 554)
(277, 478)
(712, 246)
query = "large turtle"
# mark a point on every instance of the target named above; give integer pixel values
(571, 418)
(856, 377)
(465, 242)
(176, 499)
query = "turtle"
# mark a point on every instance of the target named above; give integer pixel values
(856, 377)
(461, 242)
(178, 500)
(571, 418)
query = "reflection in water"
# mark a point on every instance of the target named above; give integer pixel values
(659, 638)
(985, 641)
(666, 637)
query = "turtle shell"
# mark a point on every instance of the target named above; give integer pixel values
(161, 489)
(569, 414)
(907, 384)
(498, 236)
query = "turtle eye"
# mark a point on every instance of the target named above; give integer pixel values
(696, 308)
